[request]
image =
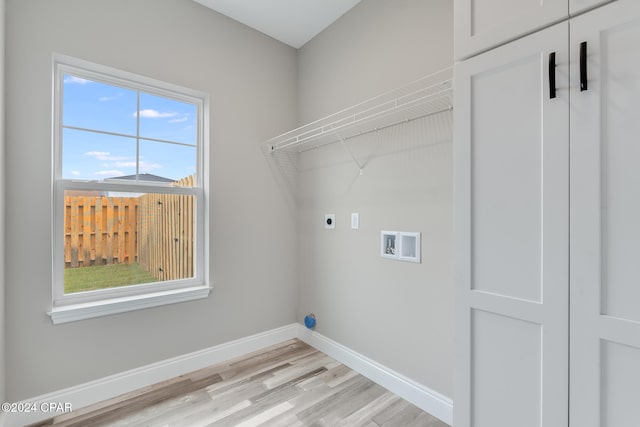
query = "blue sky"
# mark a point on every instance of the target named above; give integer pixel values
(97, 156)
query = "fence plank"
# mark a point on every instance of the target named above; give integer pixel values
(86, 231)
(73, 225)
(98, 231)
(92, 230)
(67, 231)
(106, 238)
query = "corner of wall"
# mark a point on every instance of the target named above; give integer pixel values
(2, 145)
(375, 47)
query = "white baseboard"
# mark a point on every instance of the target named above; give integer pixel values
(424, 398)
(115, 385)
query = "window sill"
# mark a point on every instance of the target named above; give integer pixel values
(72, 313)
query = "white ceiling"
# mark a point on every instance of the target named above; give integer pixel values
(293, 22)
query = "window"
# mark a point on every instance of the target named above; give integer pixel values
(129, 191)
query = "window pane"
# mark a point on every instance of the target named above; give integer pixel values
(172, 161)
(122, 239)
(167, 119)
(98, 106)
(93, 156)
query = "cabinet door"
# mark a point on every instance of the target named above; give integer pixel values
(482, 24)
(511, 235)
(577, 6)
(605, 219)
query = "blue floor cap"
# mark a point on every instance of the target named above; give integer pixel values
(310, 321)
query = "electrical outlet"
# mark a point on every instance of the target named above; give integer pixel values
(330, 221)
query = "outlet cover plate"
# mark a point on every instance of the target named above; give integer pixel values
(330, 221)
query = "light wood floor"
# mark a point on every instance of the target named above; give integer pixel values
(290, 384)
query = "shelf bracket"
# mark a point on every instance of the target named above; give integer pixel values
(353, 157)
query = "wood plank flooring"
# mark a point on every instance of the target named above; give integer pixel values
(290, 384)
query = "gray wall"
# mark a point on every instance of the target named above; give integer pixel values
(251, 80)
(2, 205)
(398, 314)
(377, 46)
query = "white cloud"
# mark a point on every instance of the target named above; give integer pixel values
(105, 156)
(76, 80)
(179, 120)
(154, 114)
(125, 164)
(114, 165)
(111, 97)
(97, 154)
(75, 173)
(144, 166)
(109, 173)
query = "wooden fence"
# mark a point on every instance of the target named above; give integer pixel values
(154, 230)
(100, 230)
(165, 234)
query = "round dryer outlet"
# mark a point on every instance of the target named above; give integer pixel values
(330, 221)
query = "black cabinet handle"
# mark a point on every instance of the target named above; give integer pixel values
(583, 67)
(552, 75)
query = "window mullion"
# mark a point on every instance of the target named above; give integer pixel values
(138, 138)
(67, 184)
(101, 132)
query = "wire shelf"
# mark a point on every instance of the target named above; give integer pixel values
(432, 94)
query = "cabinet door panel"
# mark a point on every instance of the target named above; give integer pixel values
(605, 225)
(620, 378)
(498, 342)
(482, 24)
(511, 235)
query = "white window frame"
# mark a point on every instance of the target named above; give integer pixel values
(88, 304)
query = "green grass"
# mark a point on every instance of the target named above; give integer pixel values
(104, 276)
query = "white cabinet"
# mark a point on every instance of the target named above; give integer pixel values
(547, 227)
(605, 219)
(512, 206)
(480, 25)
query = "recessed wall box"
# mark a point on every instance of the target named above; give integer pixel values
(409, 247)
(400, 245)
(389, 244)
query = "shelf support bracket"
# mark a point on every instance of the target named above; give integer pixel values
(353, 157)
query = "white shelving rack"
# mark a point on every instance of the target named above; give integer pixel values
(427, 96)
